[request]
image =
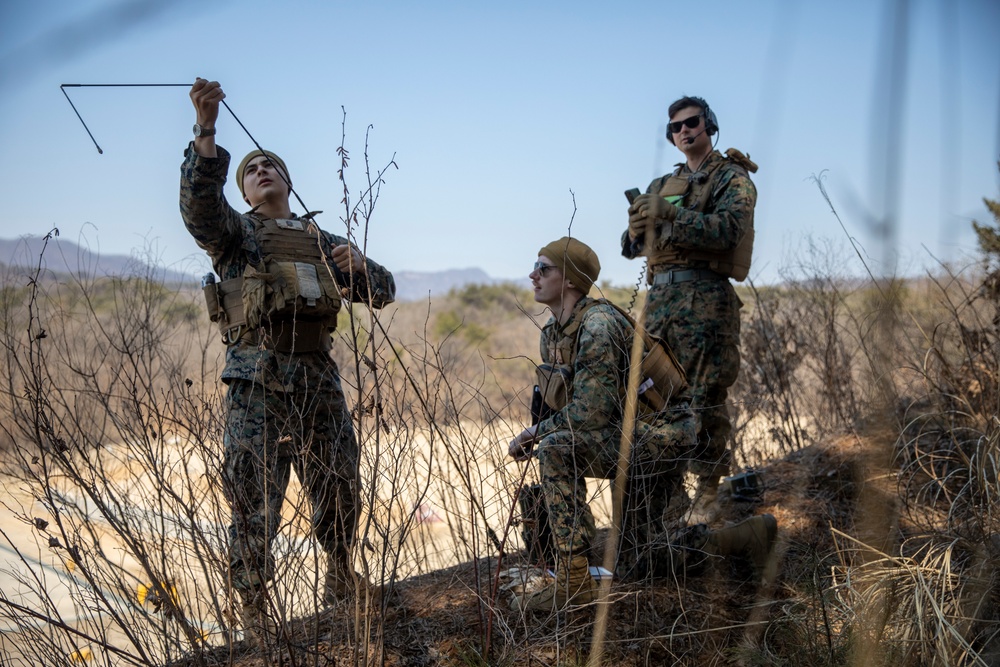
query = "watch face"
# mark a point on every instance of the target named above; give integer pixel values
(200, 131)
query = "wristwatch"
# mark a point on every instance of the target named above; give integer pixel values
(200, 131)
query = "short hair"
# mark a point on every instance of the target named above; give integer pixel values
(711, 122)
(685, 102)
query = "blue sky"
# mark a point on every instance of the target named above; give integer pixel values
(497, 112)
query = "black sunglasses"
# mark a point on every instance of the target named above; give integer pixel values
(543, 268)
(692, 122)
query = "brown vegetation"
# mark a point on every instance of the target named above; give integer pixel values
(880, 461)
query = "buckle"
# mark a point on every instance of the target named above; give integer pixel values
(668, 277)
(233, 335)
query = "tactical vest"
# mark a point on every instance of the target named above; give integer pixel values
(662, 375)
(292, 290)
(694, 192)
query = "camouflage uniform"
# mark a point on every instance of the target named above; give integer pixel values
(283, 409)
(582, 438)
(700, 319)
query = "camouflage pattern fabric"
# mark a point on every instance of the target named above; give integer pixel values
(598, 373)
(582, 439)
(269, 433)
(284, 410)
(700, 319)
(227, 236)
(726, 218)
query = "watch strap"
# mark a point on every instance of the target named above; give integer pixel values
(200, 131)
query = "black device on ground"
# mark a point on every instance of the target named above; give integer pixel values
(746, 486)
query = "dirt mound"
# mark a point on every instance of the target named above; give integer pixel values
(449, 616)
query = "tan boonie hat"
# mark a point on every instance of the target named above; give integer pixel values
(576, 260)
(251, 155)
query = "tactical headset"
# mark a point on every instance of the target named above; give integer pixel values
(711, 122)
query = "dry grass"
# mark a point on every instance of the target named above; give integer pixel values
(887, 510)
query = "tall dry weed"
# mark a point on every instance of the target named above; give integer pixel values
(112, 417)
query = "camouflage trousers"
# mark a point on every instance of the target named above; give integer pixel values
(566, 458)
(700, 320)
(268, 433)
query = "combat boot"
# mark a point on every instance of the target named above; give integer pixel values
(258, 627)
(705, 508)
(572, 585)
(753, 537)
(342, 581)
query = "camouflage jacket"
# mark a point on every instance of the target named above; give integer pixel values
(228, 238)
(719, 227)
(598, 373)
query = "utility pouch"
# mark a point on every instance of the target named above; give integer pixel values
(674, 189)
(663, 376)
(661, 367)
(224, 302)
(289, 290)
(212, 301)
(555, 382)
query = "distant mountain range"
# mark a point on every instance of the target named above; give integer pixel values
(417, 285)
(62, 256)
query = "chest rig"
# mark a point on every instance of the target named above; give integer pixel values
(693, 191)
(289, 300)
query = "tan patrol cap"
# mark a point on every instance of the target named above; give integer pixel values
(576, 260)
(251, 155)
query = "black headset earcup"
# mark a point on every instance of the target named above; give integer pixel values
(711, 122)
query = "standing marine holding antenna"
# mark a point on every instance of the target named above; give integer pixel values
(695, 226)
(282, 280)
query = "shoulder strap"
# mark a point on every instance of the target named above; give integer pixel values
(568, 343)
(621, 310)
(658, 363)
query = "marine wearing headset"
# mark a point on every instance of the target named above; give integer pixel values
(695, 226)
